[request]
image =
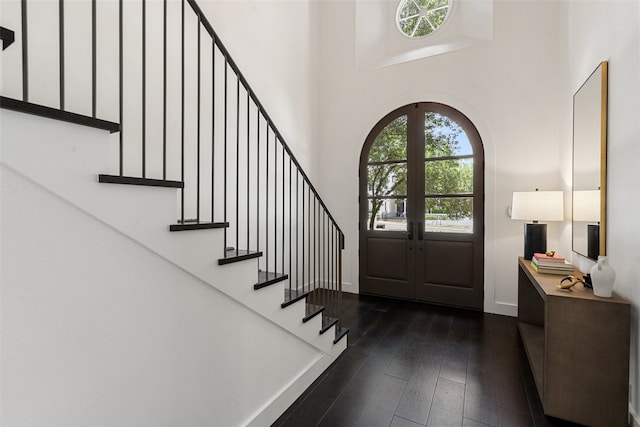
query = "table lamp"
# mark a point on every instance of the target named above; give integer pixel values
(536, 206)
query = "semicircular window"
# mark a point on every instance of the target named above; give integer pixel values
(419, 18)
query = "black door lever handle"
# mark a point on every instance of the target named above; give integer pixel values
(410, 231)
(7, 36)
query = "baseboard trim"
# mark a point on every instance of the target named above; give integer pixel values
(286, 396)
(350, 287)
(634, 419)
(503, 308)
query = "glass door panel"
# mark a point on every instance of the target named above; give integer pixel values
(387, 178)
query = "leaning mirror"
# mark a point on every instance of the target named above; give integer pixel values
(589, 165)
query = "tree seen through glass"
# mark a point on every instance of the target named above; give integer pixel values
(448, 175)
(418, 18)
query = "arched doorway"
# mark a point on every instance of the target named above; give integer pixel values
(422, 207)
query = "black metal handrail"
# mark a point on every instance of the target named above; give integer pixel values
(218, 143)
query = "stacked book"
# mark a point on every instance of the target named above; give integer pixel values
(551, 264)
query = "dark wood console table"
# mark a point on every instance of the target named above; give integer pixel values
(578, 348)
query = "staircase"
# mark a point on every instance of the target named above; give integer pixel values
(174, 161)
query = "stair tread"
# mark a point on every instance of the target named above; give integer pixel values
(236, 255)
(57, 114)
(132, 180)
(327, 323)
(311, 311)
(197, 226)
(340, 333)
(266, 278)
(293, 295)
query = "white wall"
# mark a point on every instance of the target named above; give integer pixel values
(508, 87)
(274, 44)
(610, 30)
(98, 330)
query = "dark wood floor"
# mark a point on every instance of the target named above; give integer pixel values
(409, 365)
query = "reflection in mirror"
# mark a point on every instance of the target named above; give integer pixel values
(589, 165)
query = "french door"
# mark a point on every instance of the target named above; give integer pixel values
(421, 207)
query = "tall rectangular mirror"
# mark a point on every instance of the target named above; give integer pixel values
(590, 165)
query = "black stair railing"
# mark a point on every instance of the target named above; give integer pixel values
(189, 119)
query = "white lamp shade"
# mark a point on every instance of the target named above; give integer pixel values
(586, 205)
(537, 206)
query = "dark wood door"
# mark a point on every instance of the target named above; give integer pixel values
(421, 207)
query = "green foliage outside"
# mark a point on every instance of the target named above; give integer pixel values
(453, 176)
(419, 18)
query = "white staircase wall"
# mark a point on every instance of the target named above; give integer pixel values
(108, 318)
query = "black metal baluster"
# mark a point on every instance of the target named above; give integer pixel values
(238, 166)
(336, 273)
(290, 229)
(334, 267)
(144, 88)
(341, 246)
(329, 269)
(330, 264)
(213, 127)
(320, 259)
(257, 179)
(309, 239)
(224, 204)
(182, 122)
(325, 265)
(339, 270)
(25, 52)
(248, 175)
(319, 255)
(315, 243)
(297, 229)
(266, 202)
(283, 215)
(121, 82)
(327, 255)
(303, 231)
(164, 90)
(94, 79)
(275, 203)
(198, 100)
(61, 50)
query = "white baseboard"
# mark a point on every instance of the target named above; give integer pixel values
(275, 407)
(634, 419)
(350, 288)
(503, 308)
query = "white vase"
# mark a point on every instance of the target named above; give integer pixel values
(602, 277)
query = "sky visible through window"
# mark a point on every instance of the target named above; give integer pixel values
(464, 146)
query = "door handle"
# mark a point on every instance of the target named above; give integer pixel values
(7, 36)
(420, 230)
(410, 230)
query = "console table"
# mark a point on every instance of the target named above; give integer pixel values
(578, 348)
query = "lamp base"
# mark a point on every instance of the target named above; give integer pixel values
(593, 241)
(535, 239)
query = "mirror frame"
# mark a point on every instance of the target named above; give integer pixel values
(601, 73)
